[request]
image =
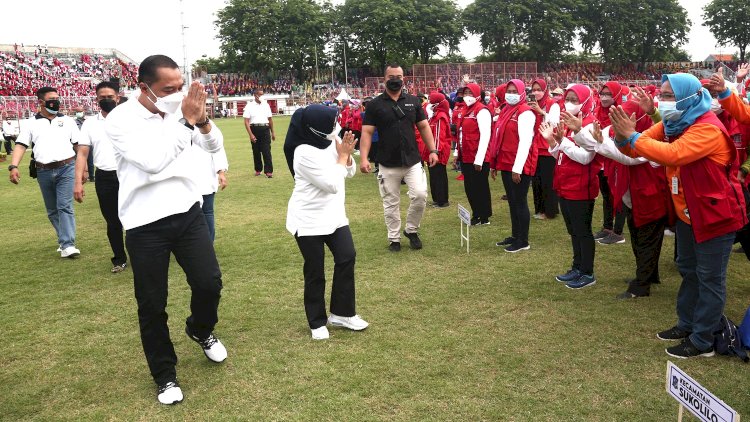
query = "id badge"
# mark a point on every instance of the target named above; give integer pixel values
(675, 187)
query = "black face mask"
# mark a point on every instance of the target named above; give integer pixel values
(53, 105)
(459, 99)
(394, 85)
(107, 104)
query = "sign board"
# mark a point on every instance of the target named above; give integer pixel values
(699, 401)
(465, 216)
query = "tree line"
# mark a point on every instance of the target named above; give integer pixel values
(291, 36)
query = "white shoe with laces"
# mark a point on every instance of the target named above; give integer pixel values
(169, 393)
(355, 323)
(70, 252)
(212, 347)
(320, 333)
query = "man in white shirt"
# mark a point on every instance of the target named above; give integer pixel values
(259, 125)
(160, 209)
(107, 185)
(52, 137)
(10, 133)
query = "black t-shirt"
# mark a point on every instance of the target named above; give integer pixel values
(395, 121)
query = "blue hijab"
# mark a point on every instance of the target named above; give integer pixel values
(686, 85)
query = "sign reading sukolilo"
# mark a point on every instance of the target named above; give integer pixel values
(699, 401)
(465, 217)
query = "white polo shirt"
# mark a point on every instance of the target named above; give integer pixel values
(93, 134)
(50, 140)
(155, 162)
(257, 113)
(10, 127)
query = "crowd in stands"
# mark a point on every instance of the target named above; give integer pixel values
(22, 74)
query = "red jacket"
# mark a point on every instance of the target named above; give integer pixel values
(508, 142)
(441, 131)
(356, 120)
(470, 133)
(649, 191)
(345, 117)
(576, 181)
(712, 192)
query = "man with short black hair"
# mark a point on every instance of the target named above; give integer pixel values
(52, 137)
(160, 209)
(95, 143)
(395, 113)
(259, 125)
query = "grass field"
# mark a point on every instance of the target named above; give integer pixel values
(456, 337)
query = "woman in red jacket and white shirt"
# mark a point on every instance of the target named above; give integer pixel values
(476, 128)
(576, 182)
(515, 156)
(440, 123)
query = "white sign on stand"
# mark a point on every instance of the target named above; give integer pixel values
(465, 217)
(699, 401)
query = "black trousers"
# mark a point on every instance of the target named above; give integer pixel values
(262, 149)
(8, 140)
(646, 242)
(545, 197)
(477, 188)
(519, 205)
(612, 221)
(578, 215)
(107, 187)
(186, 236)
(341, 245)
(439, 183)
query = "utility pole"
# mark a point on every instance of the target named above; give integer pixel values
(184, 47)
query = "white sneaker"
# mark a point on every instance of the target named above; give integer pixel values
(320, 333)
(169, 393)
(70, 252)
(353, 323)
(212, 347)
(59, 248)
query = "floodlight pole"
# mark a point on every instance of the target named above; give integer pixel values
(184, 47)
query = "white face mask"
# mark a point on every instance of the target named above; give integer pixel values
(573, 109)
(715, 106)
(512, 99)
(333, 136)
(79, 114)
(430, 111)
(668, 110)
(470, 100)
(169, 104)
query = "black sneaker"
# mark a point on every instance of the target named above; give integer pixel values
(414, 240)
(673, 333)
(517, 247)
(484, 221)
(442, 205)
(506, 242)
(395, 247)
(475, 221)
(687, 349)
(571, 275)
(628, 295)
(601, 234)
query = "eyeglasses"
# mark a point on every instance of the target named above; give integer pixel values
(667, 96)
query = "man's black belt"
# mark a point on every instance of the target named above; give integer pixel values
(55, 164)
(259, 124)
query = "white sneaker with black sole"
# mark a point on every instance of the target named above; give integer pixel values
(355, 323)
(169, 393)
(212, 347)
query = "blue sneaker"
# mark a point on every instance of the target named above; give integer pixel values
(582, 281)
(571, 275)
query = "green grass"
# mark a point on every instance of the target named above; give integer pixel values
(483, 336)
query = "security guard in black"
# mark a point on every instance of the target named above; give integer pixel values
(395, 122)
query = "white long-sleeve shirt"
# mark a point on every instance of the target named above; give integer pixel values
(155, 163)
(484, 120)
(526, 122)
(573, 151)
(206, 178)
(317, 204)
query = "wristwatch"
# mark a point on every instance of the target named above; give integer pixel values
(203, 123)
(11, 167)
(187, 125)
(434, 151)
